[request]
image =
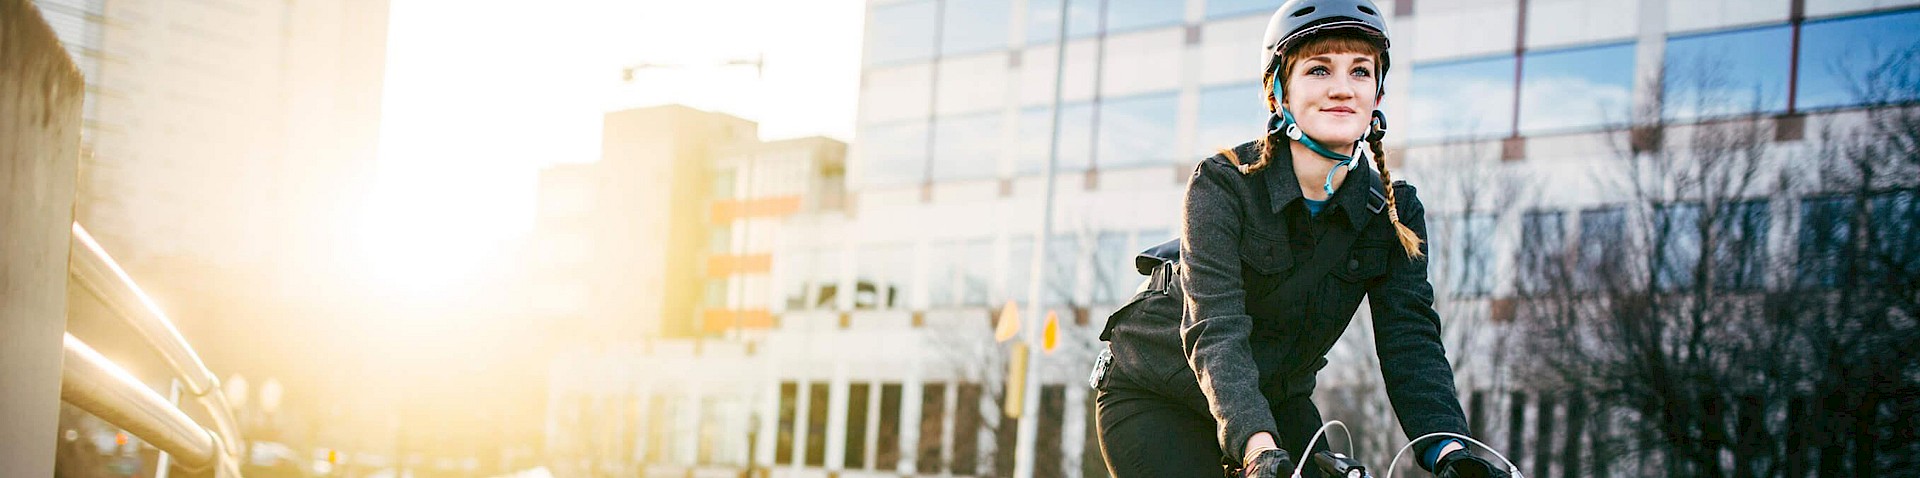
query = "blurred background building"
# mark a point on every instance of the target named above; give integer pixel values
(874, 357)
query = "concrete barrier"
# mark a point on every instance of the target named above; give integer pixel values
(40, 95)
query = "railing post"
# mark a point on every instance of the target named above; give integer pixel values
(40, 95)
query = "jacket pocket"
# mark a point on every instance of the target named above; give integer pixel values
(1264, 251)
(1363, 263)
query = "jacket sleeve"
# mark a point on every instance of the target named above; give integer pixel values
(1215, 327)
(1413, 361)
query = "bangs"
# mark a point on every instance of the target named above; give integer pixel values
(1336, 42)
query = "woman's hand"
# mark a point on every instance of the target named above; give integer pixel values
(1268, 463)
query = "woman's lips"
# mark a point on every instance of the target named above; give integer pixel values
(1338, 110)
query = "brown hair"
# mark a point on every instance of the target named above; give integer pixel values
(1336, 42)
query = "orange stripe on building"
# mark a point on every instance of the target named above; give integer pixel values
(722, 320)
(726, 265)
(779, 206)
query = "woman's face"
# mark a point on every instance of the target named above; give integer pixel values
(1332, 96)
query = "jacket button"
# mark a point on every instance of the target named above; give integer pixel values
(1353, 265)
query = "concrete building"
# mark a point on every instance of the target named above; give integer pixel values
(224, 135)
(945, 184)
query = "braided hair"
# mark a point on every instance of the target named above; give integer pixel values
(1331, 43)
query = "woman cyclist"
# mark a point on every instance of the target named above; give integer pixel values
(1259, 314)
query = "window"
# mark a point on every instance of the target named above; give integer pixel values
(1468, 253)
(1036, 136)
(1137, 131)
(900, 32)
(1062, 254)
(1601, 263)
(966, 430)
(1839, 59)
(961, 273)
(1894, 247)
(1576, 89)
(783, 431)
(1740, 249)
(720, 239)
(1113, 264)
(1043, 20)
(1462, 100)
(887, 455)
(817, 406)
(1826, 226)
(1124, 15)
(716, 294)
(973, 26)
(1542, 251)
(883, 274)
(723, 184)
(1231, 8)
(1229, 116)
(1726, 73)
(933, 415)
(1676, 231)
(893, 154)
(856, 449)
(966, 147)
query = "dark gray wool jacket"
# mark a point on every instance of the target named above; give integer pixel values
(1252, 349)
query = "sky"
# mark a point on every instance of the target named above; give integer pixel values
(480, 95)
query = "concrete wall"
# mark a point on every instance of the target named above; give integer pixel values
(40, 99)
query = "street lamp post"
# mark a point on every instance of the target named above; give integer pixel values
(1029, 426)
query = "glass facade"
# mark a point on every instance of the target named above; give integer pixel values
(1576, 89)
(1043, 20)
(1138, 131)
(1235, 8)
(1727, 73)
(893, 154)
(973, 26)
(1466, 248)
(1857, 61)
(1229, 116)
(901, 32)
(1076, 139)
(1125, 15)
(1469, 99)
(966, 147)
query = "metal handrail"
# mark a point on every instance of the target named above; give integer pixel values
(90, 266)
(93, 383)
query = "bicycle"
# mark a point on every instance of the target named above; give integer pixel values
(1337, 464)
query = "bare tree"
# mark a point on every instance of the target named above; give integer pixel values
(1716, 353)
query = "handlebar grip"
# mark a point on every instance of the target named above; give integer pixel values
(1336, 464)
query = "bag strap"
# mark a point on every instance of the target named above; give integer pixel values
(1332, 248)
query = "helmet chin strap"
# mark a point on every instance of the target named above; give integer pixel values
(1284, 123)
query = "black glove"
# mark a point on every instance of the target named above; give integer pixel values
(1461, 464)
(1273, 463)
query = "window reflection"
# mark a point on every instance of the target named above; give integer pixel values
(1838, 59)
(893, 154)
(961, 274)
(1229, 116)
(1043, 20)
(1726, 73)
(1601, 259)
(900, 32)
(971, 26)
(1576, 89)
(1466, 253)
(1076, 138)
(966, 147)
(1230, 8)
(1461, 100)
(1137, 131)
(1124, 15)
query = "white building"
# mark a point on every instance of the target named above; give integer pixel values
(944, 188)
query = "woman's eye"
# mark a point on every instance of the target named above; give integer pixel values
(1317, 70)
(1362, 72)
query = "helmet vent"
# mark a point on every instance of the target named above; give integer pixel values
(1368, 11)
(1303, 12)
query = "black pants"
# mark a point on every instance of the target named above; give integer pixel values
(1148, 434)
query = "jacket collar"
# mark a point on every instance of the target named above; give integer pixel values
(1359, 197)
